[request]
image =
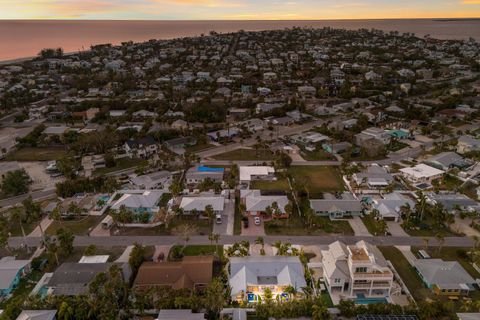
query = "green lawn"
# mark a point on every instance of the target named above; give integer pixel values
(36, 154)
(246, 154)
(16, 231)
(317, 155)
(204, 227)
(407, 273)
(80, 227)
(200, 250)
(427, 228)
(199, 147)
(371, 224)
(450, 182)
(396, 146)
(295, 226)
(280, 184)
(319, 178)
(122, 164)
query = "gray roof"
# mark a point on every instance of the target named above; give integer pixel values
(9, 268)
(446, 274)
(446, 159)
(451, 200)
(73, 278)
(469, 141)
(37, 315)
(336, 205)
(469, 316)
(374, 174)
(263, 270)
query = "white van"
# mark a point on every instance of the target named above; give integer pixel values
(218, 218)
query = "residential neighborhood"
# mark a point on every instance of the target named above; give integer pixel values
(285, 174)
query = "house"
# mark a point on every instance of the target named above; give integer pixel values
(198, 204)
(143, 147)
(200, 174)
(336, 208)
(179, 125)
(253, 125)
(453, 202)
(223, 134)
(467, 144)
(356, 271)
(179, 314)
(193, 272)
(336, 148)
(180, 142)
(11, 272)
(138, 201)
(251, 173)
(154, 180)
(267, 107)
(55, 131)
(144, 114)
(250, 276)
(421, 173)
(117, 113)
(374, 176)
(37, 315)
(444, 277)
(73, 278)
(376, 133)
(389, 207)
(446, 160)
(256, 203)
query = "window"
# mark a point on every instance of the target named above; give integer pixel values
(337, 280)
(361, 269)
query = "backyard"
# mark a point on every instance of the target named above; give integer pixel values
(280, 184)
(317, 155)
(244, 154)
(318, 179)
(122, 164)
(295, 226)
(203, 226)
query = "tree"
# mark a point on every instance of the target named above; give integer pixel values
(162, 215)
(16, 182)
(4, 231)
(91, 250)
(291, 291)
(137, 256)
(65, 311)
(267, 294)
(261, 242)
(209, 213)
(440, 241)
(320, 311)
(56, 214)
(184, 231)
(51, 248)
(214, 237)
(17, 215)
(214, 298)
(65, 238)
(421, 204)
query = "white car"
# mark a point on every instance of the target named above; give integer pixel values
(257, 221)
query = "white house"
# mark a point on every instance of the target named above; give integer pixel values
(256, 203)
(421, 173)
(199, 203)
(355, 271)
(250, 173)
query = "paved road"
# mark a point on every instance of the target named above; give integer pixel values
(36, 195)
(82, 241)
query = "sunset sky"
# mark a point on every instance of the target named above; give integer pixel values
(236, 9)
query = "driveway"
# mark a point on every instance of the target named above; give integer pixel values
(228, 216)
(37, 232)
(125, 255)
(358, 227)
(252, 229)
(396, 229)
(463, 226)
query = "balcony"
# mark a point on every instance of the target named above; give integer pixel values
(369, 275)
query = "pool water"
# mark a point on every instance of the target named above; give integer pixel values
(362, 300)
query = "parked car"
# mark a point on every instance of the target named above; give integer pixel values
(257, 221)
(245, 222)
(218, 219)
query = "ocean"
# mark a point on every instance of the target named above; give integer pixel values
(25, 38)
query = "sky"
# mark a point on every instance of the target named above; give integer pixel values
(237, 9)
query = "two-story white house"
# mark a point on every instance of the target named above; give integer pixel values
(358, 272)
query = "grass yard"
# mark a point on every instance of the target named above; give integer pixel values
(199, 250)
(80, 227)
(122, 164)
(319, 178)
(280, 184)
(451, 254)
(36, 154)
(317, 155)
(295, 226)
(428, 229)
(244, 154)
(199, 147)
(407, 273)
(204, 227)
(450, 182)
(16, 231)
(372, 225)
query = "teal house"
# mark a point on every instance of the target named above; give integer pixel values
(11, 272)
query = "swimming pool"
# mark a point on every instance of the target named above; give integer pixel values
(362, 300)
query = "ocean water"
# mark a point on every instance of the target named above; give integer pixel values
(25, 38)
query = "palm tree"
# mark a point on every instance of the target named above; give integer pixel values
(291, 291)
(56, 215)
(260, 241)
(406, 211)
(440, 240)
(65, 311)
(421, 204)
(320, 311)
(17, 215)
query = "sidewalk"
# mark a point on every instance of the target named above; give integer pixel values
(358, 227)
(37, 232)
